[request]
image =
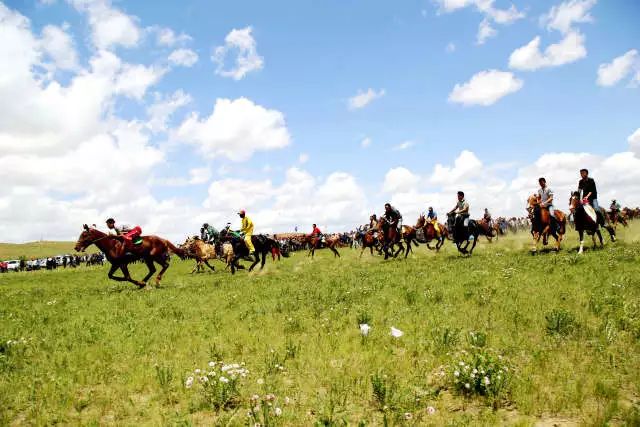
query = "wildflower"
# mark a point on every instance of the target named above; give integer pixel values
(475, 371)
(260, 381)
(473, 375)
(197, 371)
(487, 381)
(255, 398)
(212, 364)
(461, 363)
(396, 333)
(277, 411)
(431, 410)
(204, 379)
(364, 329)
(189, 382)
(224, 380)
(408, 416)
(467, 386)
(287, 400)
(456, 373)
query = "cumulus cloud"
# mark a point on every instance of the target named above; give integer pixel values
(243, 45)
(485, 88)
(612, 73)
(163, 108)
(485, 31)
(529, 57)
(58, 44)
(634, 142)
(364, 98)
(110, 27)
(183, 57)
(562, 17)
(167, 37)
(399, 179)
(134, 80)
(404, 145)
(235, 130)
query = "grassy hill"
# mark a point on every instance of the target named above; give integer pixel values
(35, 249)
(553, 339)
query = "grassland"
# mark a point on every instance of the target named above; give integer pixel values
(42, 249)
(85, 350)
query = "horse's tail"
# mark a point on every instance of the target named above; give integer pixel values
(180, 252)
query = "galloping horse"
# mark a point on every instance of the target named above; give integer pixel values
(615, 217)
(428, 231)
(262, 244)
(202, 252)
(369, 240)
(584, 222)
(152, 249)
(541, 223)
(390, 238)
(314, 242)
(462, 235)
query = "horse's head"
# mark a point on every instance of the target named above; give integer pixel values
(574, 201)
(85, 239)
(421, 221)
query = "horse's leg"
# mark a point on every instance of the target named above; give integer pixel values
(164, 262)
(112, 276)
(264, 259)
(127, 277)
(206, 262)
(581, 234)
(335, 251)
(475, 240)
(151, 267)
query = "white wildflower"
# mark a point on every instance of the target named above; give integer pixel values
(408, 416)
(431, 410)
(277, 411)
(467, 386)
(224, 380)
(212, 364)
(396, 333)
(487, 381)
(456, 373)
(364, 329)
(189, 382)
(260, 381)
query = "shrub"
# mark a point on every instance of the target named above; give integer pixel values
(218, 384)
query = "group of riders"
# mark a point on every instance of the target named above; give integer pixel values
(459, 215)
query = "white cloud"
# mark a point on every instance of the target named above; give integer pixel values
(362, 99)
(451, 47)
(110, 27)
(610, 74)
(399, 180)
(58, 44)
(167, 37)
(303, 158)
(134, 80)
(485, 31)
(196, 176)
(235, 129)
(183, 57)
(161, 111)
(529, 57)
(562, 17)
(485, 88)
(366, 142)
(634, 142)
(404, 146)
(247, 59)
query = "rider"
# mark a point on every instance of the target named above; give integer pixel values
(588, 188)
(546, 201)
(393, 216)
(209, 234)
(130, 235)
(373, 222)
(487, 217)
(615, 206)
(247, 231)
(432, 217)
(317, 233)
(461, 210)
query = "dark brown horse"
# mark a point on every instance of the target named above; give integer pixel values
(423, 232)
(584, 222)
(152, 249)
(314, 242)
(369, 239)
(389, 237)
(541, 225)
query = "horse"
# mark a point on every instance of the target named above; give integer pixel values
(461, 234)
(411, 235)
(615, 217)
(202, 252)
(541, 223)
(584, 222)
(314, 242)
(369, 239)
(262, 244)
(390, 238)
(152, 249)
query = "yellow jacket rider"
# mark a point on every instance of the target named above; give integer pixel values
(246, 229)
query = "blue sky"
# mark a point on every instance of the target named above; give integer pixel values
(315, 57)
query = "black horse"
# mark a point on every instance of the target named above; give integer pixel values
(584, 222)
(462, 235)
(261, 243)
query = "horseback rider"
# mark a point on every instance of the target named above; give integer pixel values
(246, 231)
(432, 217)
(487, 218)
(209, 234)
(546, 201)
(373, 222)
(615, 206)
(393, 216)
(461, 210)
(130, 236)
(317, 233)
(587, 187)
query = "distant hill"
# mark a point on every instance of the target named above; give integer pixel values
(37, 249)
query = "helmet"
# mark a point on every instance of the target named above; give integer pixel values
(241, 212)
(205, 225)
(111, 220)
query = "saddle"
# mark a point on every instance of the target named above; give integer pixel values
(591, 212)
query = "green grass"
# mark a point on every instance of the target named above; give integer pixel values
(93, 351)
(41, 249)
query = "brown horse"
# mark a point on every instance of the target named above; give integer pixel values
(369, 240)
(541, 223)
(389, 237)
(314, 242)
(584, 222)
(153, 249)
(423, 232)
